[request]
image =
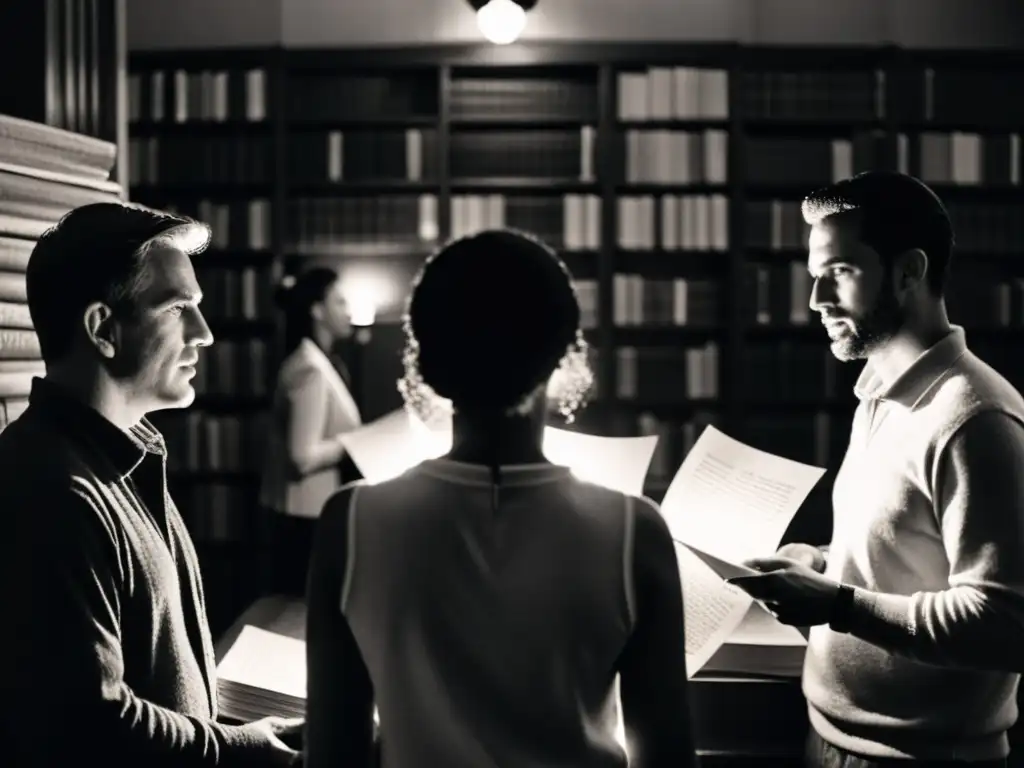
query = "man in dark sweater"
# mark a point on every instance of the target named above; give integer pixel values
(107, 656)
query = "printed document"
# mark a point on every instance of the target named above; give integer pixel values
(389, 446)
(247, 663)
(727, 503)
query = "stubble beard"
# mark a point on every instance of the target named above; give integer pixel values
(870, 332)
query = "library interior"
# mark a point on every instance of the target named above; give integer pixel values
(661, 147)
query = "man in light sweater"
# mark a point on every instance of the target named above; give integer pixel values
(917, 605)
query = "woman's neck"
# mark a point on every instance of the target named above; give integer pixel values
(489, 439)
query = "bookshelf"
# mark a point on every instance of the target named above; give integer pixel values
(203, 142)
(668, 176)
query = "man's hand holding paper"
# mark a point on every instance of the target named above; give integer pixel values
(727, 504)
(794, 593)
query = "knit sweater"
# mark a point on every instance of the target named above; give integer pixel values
(107, 652)
(929, 530)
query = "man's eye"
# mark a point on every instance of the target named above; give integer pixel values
(842, 271)
(177, 309)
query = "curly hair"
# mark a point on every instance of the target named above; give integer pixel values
(492, 317)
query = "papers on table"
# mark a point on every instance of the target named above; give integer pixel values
(398, 441)
(263, 673)
(727, 503)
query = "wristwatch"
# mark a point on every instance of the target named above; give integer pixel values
(842, 610)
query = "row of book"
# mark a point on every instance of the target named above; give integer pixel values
(212, 443)
(665, 156)
(673, 93)
(570, 222)
(675, 440)
(679, 93)
(818, 437)
(985, 301)
(322, 97)
(673, 222)
(234, 368)
(838, 95)
(667, 375)
(180, 96)
(353, 156)
(241, 224)
(637, 300)
(235, 293)
(776, 294)
(662, 156)
(794, 372)
(358, 225)
(482, 98)
(970, 159)
(991, 227)
(589, 299)
(536, 153)
(807, 162)
(238, 159)
(988, 95)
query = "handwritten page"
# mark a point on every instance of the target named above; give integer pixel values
(721, 567)
(266, 661)
(760, 628)
(398, 441)
(733, 501)
(712, 609)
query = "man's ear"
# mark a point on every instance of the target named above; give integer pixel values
(317, 311)
(101, 329)
(911, 268)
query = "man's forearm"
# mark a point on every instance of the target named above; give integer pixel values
(959, 627)
(126, 730)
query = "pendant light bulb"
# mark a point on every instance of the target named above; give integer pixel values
(501, 21)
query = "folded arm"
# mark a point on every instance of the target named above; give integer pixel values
(64, 678)
(978, 622)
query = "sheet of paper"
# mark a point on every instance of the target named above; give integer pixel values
(266, 660)
(398, 441)
(722, 568)
(712, 610)
(387, 447)
(733, 501)
(759, 627)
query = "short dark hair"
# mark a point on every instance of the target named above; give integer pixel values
(492, 314)
(97, 253)
(897, 213)
(296, 298)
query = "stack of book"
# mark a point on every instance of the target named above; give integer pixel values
(44, 173)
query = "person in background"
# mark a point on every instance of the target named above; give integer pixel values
(485, 601)
(313, 407)
(917, 606)
(107, 651)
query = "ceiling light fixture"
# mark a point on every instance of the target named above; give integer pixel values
(501, 21)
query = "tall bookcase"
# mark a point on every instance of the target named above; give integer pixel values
(669, 176)
(204, 142)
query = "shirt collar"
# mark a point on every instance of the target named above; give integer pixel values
(912, 384)
(124, 450)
